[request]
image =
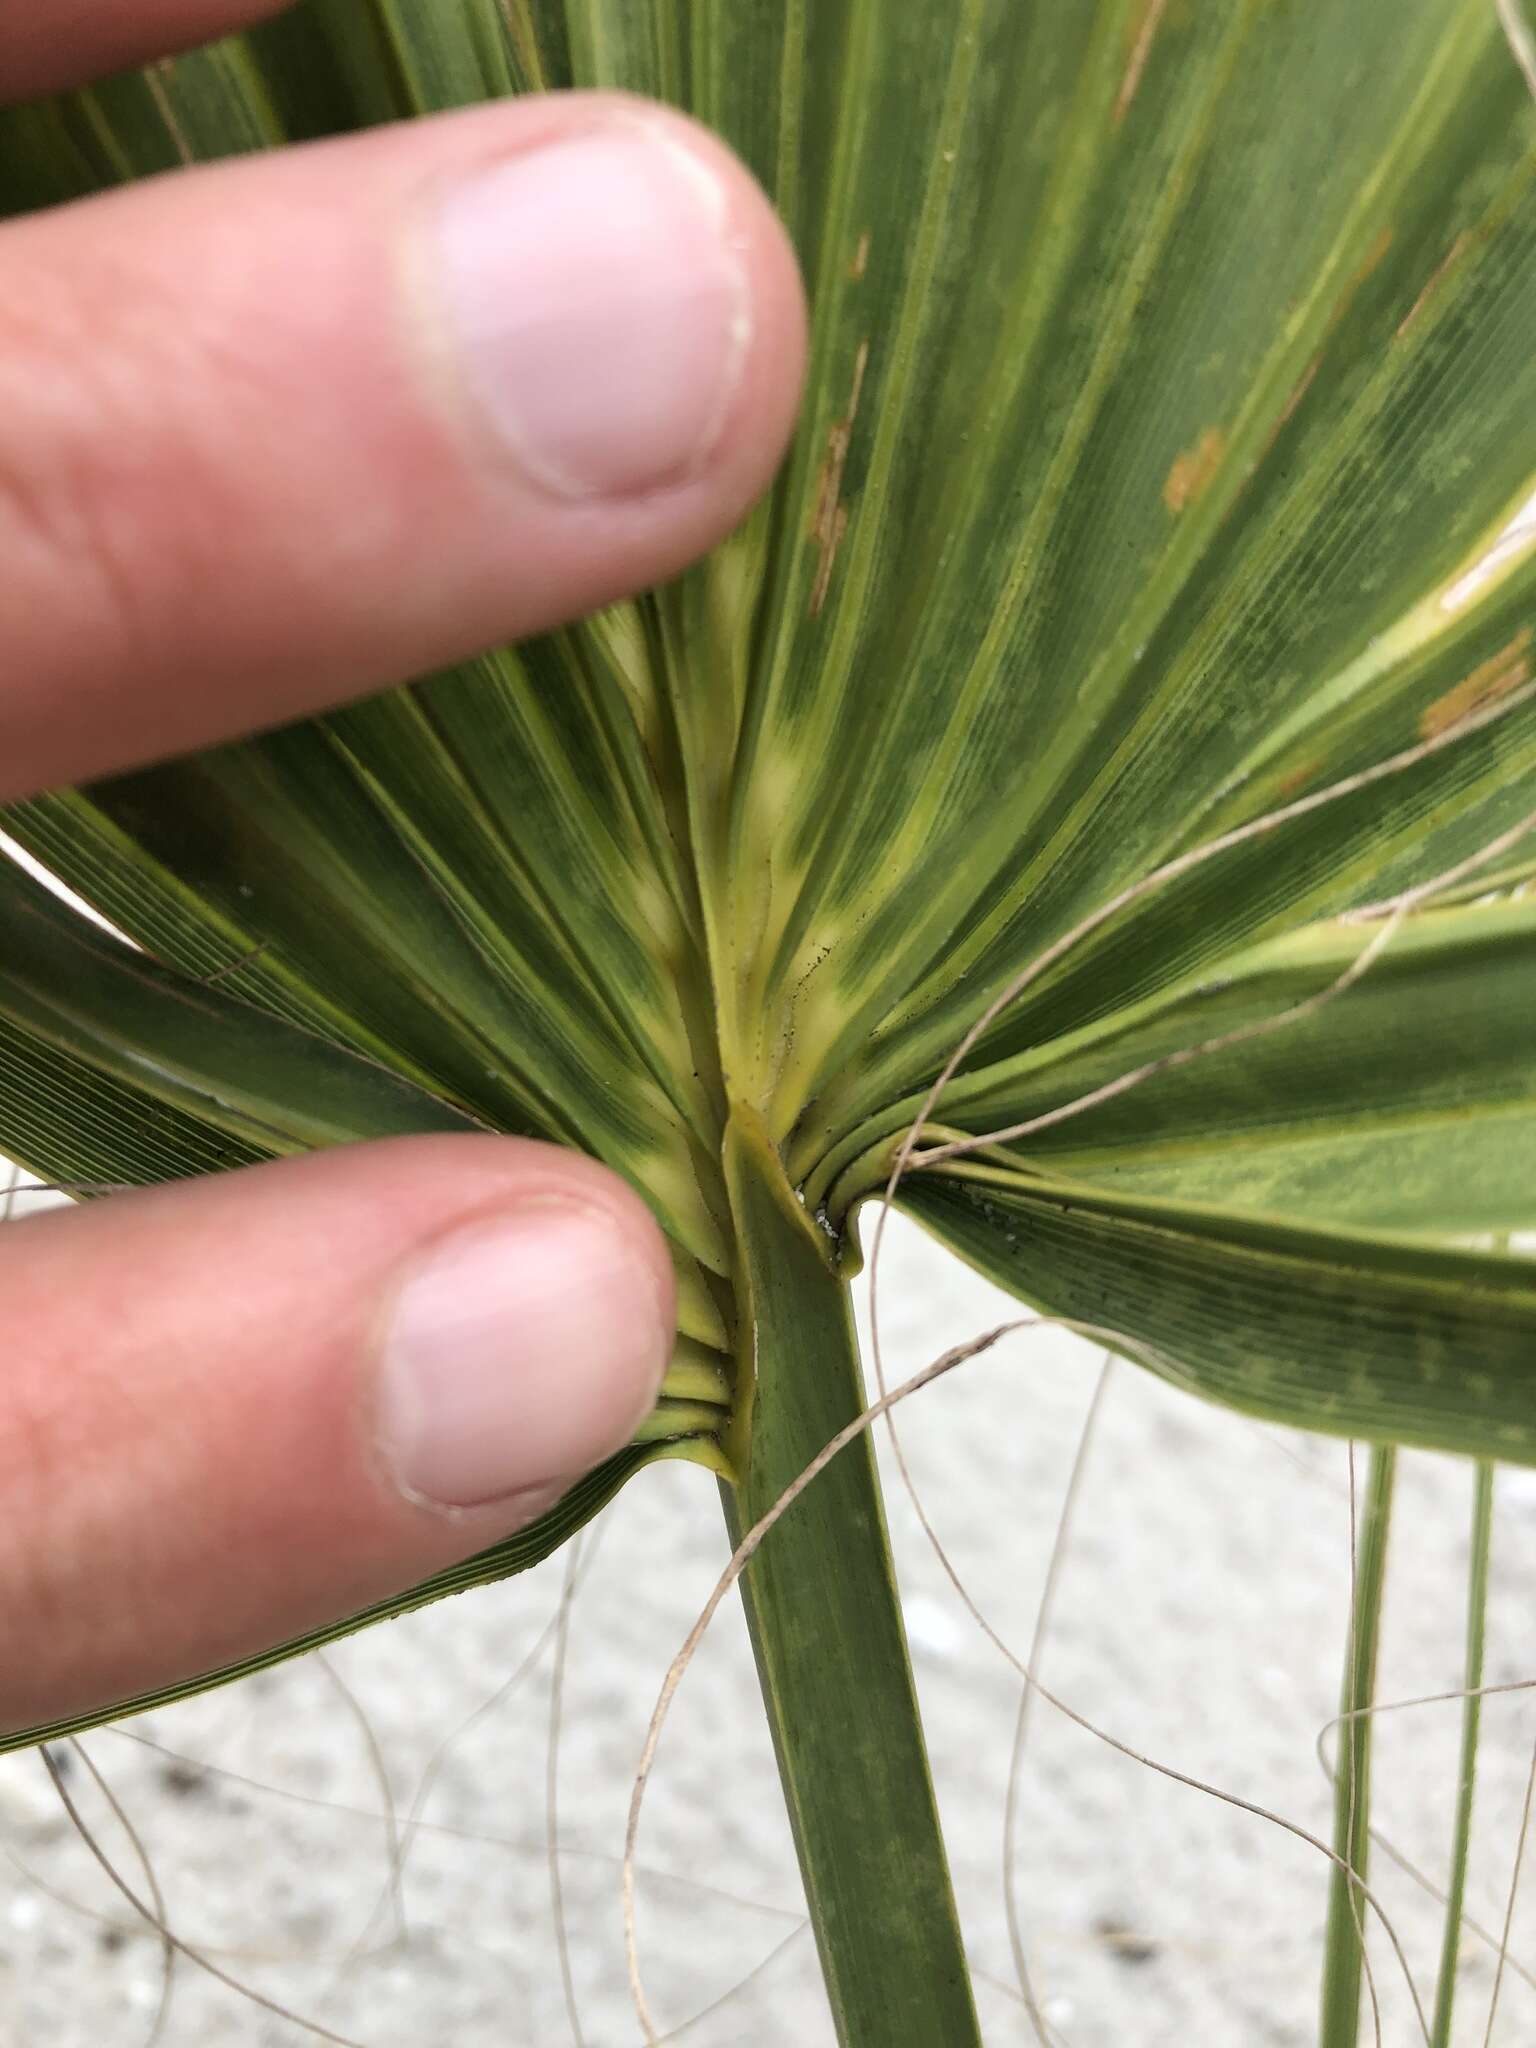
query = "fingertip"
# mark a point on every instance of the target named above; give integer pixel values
(521, 1349)
(242, 1407)
(761, 417)
(618, 323)
(456, 382)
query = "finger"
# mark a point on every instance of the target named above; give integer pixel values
(44, 47)
(237, 1409)
(275, 433)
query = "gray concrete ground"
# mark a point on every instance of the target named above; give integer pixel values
(1201, 1619)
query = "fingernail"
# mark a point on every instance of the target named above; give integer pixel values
(520, 1351)
(601, 314)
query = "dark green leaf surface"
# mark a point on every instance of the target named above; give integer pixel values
(1147, 449)
(268, 1085)
(1171, 385)
(1360, 1334)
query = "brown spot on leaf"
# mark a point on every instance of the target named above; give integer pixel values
(1194, 469)
(1357, 277)
(1359, 274)
(1372, 258)
(1142, 32)
(830, 521)
(1451, 256)
(1298, 392)
(860, 262)
(1295, 780)
(1302, 387)
(1488, 682)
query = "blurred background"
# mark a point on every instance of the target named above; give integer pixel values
(365, 1837)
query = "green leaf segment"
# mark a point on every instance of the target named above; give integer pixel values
(1150, 452)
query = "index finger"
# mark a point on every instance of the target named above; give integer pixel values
(284, 430)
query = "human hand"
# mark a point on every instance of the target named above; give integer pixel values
(273, 434)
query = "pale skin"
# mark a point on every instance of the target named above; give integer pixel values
(244, 476)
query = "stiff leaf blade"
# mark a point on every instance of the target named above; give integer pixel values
(1360, 1334)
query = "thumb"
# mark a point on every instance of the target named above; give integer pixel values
(239, 1408)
